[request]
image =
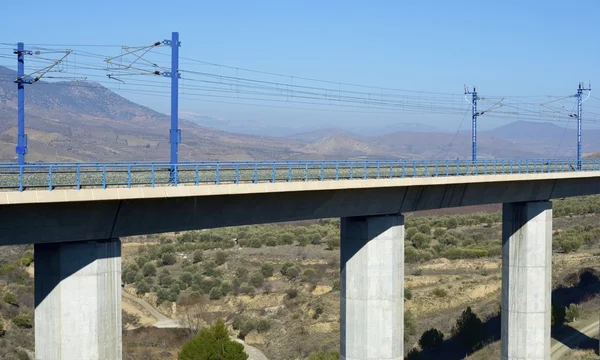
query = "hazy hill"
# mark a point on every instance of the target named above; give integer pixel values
(84, 121)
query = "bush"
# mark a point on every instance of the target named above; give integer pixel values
(198, 256)
(286, 238)
(291, 293)
(213, 343)
(23, 320)
(469, 329)
(572, 313)
(168, 259)
(439, 292)
(246, 289)
(318, 312)
(335, 285)
(2, 331)
(226, 288)
(267, 270)
(149, 269)
(431, 339)
(438, 232)
(424, 229)
(408, 294)
(291, 272)
(451, 223)
(142, 287)
(241, 273)
(333, 242)
(220, 258)
(410, 232)
(420, 241)
(246, 327)
(11, 299)
(186, 278)
(257, 279)
(410, 324)
(333, 355)
(215, 293)
(263, 325)
(27, 259)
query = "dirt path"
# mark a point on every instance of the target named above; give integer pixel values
(163, 321)
(559, 349)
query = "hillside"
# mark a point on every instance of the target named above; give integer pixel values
(84, 121)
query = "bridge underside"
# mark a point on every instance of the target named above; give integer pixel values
(42, 222)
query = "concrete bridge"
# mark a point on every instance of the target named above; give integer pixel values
(76, 229)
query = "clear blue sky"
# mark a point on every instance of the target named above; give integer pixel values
(508, 47)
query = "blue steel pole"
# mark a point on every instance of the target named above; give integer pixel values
(474, 126)
(579, 92)
(175, 133)
(21, 148)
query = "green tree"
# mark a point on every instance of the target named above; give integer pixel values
(469, 329)
(168, 258)
(149, 269)
(257, 279)
(198, 256)
(572, 313)
(142, 287)
(431, 339)
(213, 343)
(420, 241)
(220, 257)
(425, 229)
(267, 270)
(187, 278)
(451, 223)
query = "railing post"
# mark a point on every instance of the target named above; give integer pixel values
(255, 173)
(337, 171)
(197, 175)
(128, 176)
(403, 169)
(485, 166)
(322, 171)
(78, 178)
(378, 170)
(152, 175)
(50, 178)
(365, 171)
(290, 172)
(351, 171)
(306, 172)
(104, 176)
(414, 169)
(436, 169)
(391, 170)
(218, 174)
(273, 176)
(20, 177)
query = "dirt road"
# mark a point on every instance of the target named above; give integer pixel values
(163, 321)
(559, 349)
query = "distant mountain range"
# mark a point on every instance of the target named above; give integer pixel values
(84, 121)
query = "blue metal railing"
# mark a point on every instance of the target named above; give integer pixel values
(106, 175)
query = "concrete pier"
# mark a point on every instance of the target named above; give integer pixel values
(78, 300)
(372, 288)
(526, 280)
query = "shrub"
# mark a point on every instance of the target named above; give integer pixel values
(213, 343)
(2, 331)
(263, 325)
(286, 238)
(572, 313)
(246, 289)
(11, 298)
(408, 294)
(439, 292)
(23, 320)
(210, 269)
(451, 223)
(149, 269)
(336, 285)
(285, 267)
(292, 272)
(241, 273)
(168, 259)
(142, 287)
(198, 256)
(291, 293)
(27, 258)
(431, 339)
(424, 229)
(410, 232)
(226, 288)
(318, 312)
(333, 242)
(333, 355)
(271, 241)
(267, 270)
(257, 279)
(130, 277)
(469, 329)
(410, 324)
(215, 293)
(246, 327)
(438, 232)
(303, 240)
(420, 241)
(220, 258)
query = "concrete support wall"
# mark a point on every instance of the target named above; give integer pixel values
(526, 280)
(372, 287)
(78, 300)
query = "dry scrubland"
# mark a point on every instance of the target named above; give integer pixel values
(278, 287)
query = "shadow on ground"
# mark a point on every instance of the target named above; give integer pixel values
(587, 288)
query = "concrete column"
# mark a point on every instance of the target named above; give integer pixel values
(78, 300)
(526, 280)
(372, 288)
